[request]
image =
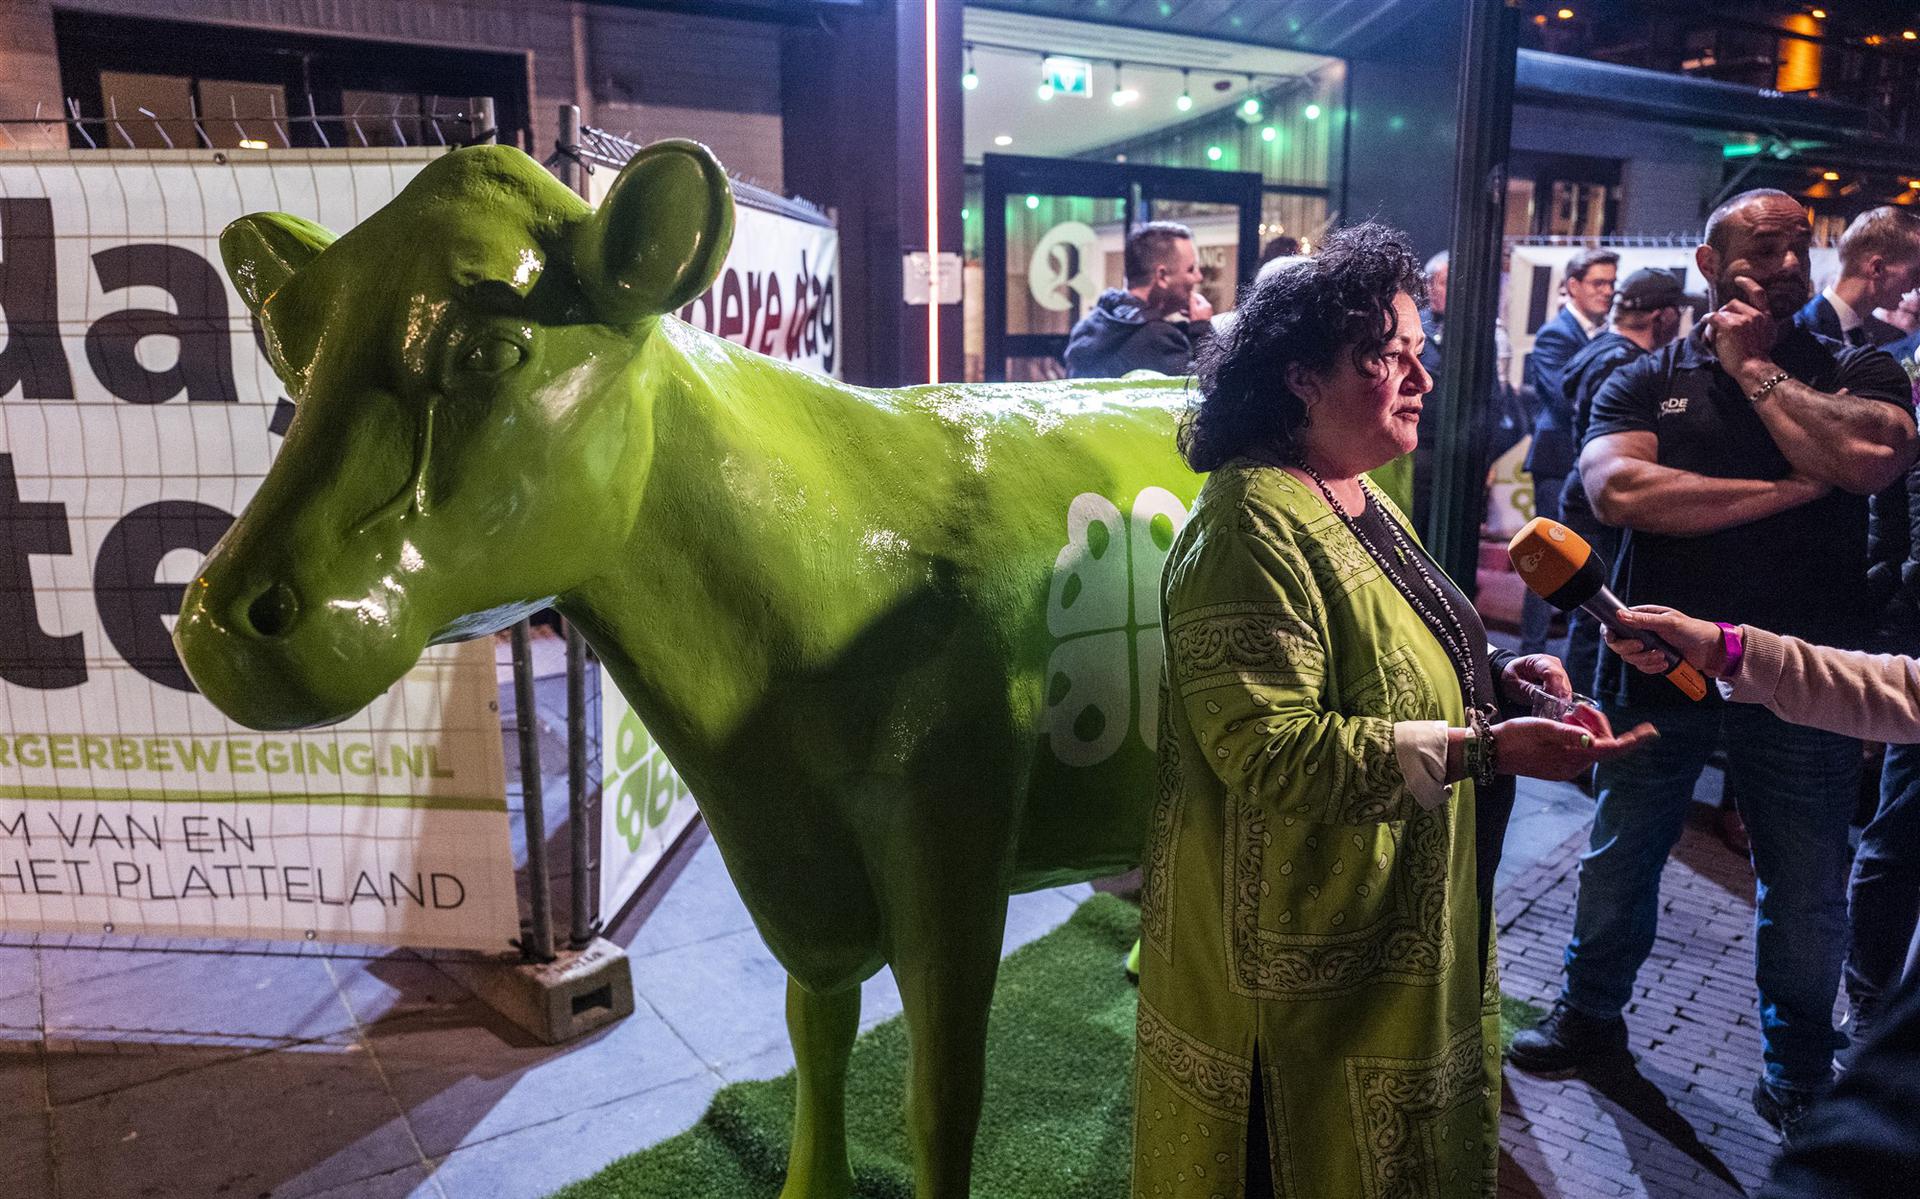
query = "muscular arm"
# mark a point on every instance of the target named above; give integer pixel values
(1630, 489)
(1855, 444)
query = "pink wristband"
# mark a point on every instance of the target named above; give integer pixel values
(1734, 645)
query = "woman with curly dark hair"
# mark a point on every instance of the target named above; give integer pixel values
(1316, 1017)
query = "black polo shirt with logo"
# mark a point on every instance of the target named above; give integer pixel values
(1801, 572)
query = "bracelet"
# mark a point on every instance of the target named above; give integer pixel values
(1734, 645)
(1481, 749)
(1766, 386)
(1491, 757)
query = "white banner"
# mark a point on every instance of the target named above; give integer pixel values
(644, 807)
(1534, 275)
(778, 293)
(137, 416)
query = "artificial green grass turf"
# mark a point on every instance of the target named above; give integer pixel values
(1058, 1115)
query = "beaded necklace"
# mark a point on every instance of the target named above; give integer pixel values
(1445, 625)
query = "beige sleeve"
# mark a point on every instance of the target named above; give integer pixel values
(1872, 696)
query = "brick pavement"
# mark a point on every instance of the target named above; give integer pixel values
(1680, 1125)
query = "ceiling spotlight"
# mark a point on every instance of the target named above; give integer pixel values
(1214, 153)
(1122, 94)
(1185, 102)
(1033, 202)
(1005, 139)
(970, 80)
(1269, 134)
(1565, 14)
(1311, 112)
(1819, 14)
(1830, 176)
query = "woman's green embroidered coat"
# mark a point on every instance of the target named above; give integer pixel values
(1299, 905)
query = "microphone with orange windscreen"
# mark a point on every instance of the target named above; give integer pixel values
(1559, 566)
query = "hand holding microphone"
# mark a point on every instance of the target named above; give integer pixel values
(1699, 642)
(1559, 566)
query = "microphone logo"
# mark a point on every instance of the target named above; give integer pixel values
(1528, 563)
(1556, 533)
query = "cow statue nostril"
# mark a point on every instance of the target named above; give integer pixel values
(273, 611)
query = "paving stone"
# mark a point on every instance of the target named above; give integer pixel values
(463, 1076)
(534, 1162)
(1681, 1126)
(268, 1123)
(26, 1158)
(263, 998)
(701, 906)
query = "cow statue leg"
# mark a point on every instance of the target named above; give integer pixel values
(945, 996)
(822, 1029)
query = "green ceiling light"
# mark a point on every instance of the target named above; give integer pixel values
(1215, 153)
(966, 214)
(1185, 102)
(1311, 112)
(1250, 108)
(1269, 134)
(970, 80)
(1033, 202)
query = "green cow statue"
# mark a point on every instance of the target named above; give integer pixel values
(902, 645)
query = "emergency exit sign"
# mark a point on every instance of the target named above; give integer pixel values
(1068, 76)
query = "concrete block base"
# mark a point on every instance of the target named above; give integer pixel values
(577, 992)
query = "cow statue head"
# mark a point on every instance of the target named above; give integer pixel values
(473, 425)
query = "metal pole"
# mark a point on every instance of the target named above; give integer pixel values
(585, 922)
(537, 946)
(569, 147)
(1467, 371)
(486, 130)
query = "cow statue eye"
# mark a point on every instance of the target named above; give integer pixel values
(494, 356)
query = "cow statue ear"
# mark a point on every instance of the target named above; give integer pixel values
(266, 249)
(659, 238)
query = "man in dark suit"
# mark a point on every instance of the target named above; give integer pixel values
(1589, 291)
(1879, 263)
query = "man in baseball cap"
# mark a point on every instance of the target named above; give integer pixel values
(1649, 290)
(1645, 316)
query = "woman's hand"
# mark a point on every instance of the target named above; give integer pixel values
(1541, 670)
(1547, 749)
(1698, 641)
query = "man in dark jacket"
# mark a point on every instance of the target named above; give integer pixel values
(1646, 316)
(1157, 323)
(1589, 291)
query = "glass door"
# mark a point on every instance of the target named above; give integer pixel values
(1056, 233)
